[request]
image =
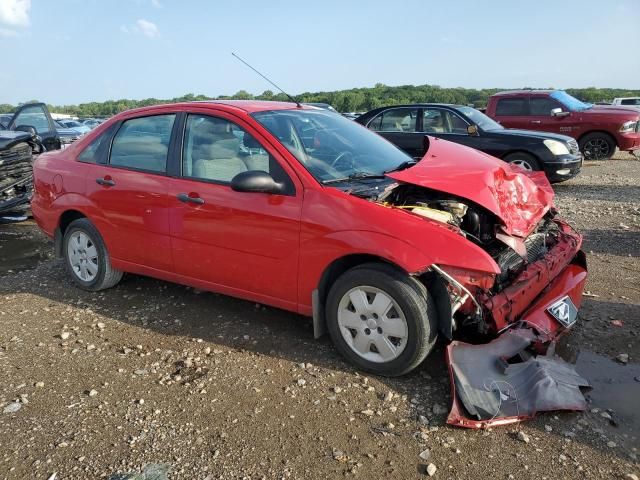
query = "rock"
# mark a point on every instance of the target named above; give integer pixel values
(623, 358)
(91, 346)
(631, 476)
(302, 382)
(339, 455)
(368, 412)
(207, 350)
(64, 335)
(337, 389)
(611, 444)
(140, 372)
(523, 437)
(438, 409)
(62, 445)
(425, 454)
(141, 401)
(388, 397)
(92, 393)
(605, 415)
(548, 428)
(101, 325)
(431, 469)
(13, 407)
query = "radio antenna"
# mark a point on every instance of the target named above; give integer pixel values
(289, 96)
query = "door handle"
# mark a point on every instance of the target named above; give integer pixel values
(536, 121)
(186, 198)
(106, 181)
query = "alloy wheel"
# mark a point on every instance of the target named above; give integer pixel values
(596, 148)
(372, 324)
(522, 164)
(83, 256)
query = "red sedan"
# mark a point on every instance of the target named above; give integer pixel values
(302, 209)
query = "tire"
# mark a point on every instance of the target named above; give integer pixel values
(412, 309)
(92, 269)
(597, 146)
(526, 161)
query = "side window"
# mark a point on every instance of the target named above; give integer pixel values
(35, 117)
(97, 148)
(630, 101)
(143, 143)
(542, 106)
(436, 120)
(395, 120)
(511, 107)
(216, 150)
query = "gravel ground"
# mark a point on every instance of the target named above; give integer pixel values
(151, 372)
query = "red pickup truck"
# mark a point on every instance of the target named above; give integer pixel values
(599, 129)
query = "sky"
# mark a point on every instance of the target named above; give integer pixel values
(75, 51)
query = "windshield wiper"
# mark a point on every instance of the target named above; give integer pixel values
(354, 176)
(403, 166)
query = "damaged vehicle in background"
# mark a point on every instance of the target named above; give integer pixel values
(27, 132)
(305, 210)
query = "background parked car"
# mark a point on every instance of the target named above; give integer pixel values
(35, 119)
(632, 101)
(91, 122)
(75, 125)
(67, 135)
(599, 129)
(409, 126)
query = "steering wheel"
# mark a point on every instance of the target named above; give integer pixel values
(341, 156)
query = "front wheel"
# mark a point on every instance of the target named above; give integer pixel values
(381, 319)
(597, 146)
(523, 160)
(86, 257)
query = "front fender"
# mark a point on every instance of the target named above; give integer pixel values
(439, 247)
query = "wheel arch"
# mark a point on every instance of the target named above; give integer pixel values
(601, 132)
(434, 284)
(64, 221)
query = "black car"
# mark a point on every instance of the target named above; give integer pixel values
(409, 126)
(35, 118)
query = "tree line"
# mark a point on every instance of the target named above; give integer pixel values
(351, 100)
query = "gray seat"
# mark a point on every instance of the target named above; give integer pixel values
(214, 152)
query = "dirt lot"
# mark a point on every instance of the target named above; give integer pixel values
(152, 372)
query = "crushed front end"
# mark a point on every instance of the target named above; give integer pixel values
(16, 177)
(509, 370)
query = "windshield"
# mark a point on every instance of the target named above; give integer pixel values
(330, 146)
(480, 119)
(572, 103)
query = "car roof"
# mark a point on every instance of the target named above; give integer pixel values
(527, 92)
(247, 106)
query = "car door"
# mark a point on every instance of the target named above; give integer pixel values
(129, 189)
(512, 112)
(37, 115)
(399, 126)
(540, 116)
(244, 244)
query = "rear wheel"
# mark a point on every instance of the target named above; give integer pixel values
(523, 160)
(381, 319)
(86, 257)
(597, 146)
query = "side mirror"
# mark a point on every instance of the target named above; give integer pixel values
(557, 112)
(472, 130)
(27, 128)
(255, 181)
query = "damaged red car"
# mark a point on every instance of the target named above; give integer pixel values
(304, 210)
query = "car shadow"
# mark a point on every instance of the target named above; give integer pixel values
(617, 242)
(605, 193)
(175, 310)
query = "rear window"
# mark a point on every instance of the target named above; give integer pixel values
(511, 106)
(630, 101)
(143, 143)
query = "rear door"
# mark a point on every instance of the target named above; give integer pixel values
(246, 244)
(37, 115)
(399, 126)
(129, 191)
(512, 112)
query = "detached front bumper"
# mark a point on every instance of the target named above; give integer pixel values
(517, 374)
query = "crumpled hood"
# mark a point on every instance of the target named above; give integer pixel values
(520, 199)
(9, 138)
